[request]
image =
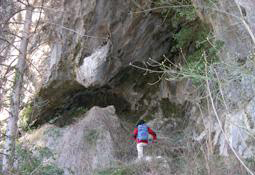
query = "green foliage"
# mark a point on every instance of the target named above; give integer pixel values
(197, 61)
(44, 152)
(183, 15)
(191, 37)
(26, 161)
(64, 116)
(211, 3)
(29, 162)
(113, 172)
(192, 41)
(189, 14)
(77, 111)
(25, 117)
(183, 38)
(250, 162)
(176, 12)
(50, 170)
(135, 168)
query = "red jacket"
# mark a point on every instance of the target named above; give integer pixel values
(144, 141)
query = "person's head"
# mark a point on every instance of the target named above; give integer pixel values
(140, 122)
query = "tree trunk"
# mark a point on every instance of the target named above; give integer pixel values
(11, 132)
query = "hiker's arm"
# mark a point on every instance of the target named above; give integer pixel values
(135, 133)
(152, 133)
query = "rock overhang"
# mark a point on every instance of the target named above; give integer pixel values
(107, 37)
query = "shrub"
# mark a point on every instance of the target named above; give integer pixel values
(30, 163)
(25, 117)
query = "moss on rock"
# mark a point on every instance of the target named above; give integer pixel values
(25, 117)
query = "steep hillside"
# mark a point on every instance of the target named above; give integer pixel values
(95, 67)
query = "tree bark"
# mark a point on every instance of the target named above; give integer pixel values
(11, 132)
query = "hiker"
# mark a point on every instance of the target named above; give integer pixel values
(141, 135)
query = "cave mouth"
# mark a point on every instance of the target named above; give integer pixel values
(69, 100)
(80, 102)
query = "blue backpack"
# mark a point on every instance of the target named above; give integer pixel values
(143, 132)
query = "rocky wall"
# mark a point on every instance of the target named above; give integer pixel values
(232, 22)
(92, 42)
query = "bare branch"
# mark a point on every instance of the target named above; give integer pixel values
(82, 35)
(247, 27)
(19, 1)
(49, 8)
(221, 128)
(41, 9)
(27, 60)
(145, 69)
(5, 40)
(11, 33)
(162, 7)
(12, 15)
(5, 65)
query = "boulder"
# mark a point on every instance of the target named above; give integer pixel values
(96, 141)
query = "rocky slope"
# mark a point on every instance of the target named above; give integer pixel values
(94, 142)
(97, 142)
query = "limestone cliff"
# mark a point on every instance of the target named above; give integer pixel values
(93, 42)
(233, 22)
(90, 45)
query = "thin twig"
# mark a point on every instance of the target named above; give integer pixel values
(41, 9)
(136, 4)
(37, 168)
(162, 7)
(74, 31)
(145, 69)
(49, 8)
(247, 27)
